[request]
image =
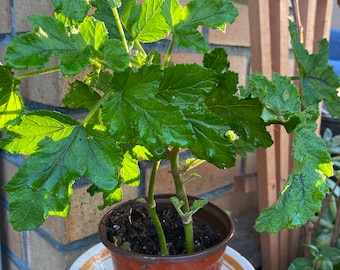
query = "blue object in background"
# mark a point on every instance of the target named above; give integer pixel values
(334, 50)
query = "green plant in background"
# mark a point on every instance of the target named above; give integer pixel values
(326, 258)
(141, 106)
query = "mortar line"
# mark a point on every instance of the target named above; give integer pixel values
(13, 21)
(14, 258)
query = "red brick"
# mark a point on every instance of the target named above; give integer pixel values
(2, 53)
(22, 10)
(12, 239)
(185, 57)
(5, 17)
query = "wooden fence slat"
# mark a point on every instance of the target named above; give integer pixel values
(323, 14)
(259, 26)
(308, 11)
(279, 11)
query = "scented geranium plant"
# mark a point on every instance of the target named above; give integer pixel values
(140, 106)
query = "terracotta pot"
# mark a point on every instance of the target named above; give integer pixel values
(208, 259)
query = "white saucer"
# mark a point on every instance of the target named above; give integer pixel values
(98, 258)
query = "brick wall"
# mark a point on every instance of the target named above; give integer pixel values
(57, 243)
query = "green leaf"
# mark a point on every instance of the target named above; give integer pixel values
(214, 14)
(332, 253)
(280, 97)
(29, 207)
(301, 264)
(103, 82)
(33, 128)
(308, 147)
(109, 197)
(145, 22)
(300, 199)
(305, 189)
(11, 103)
(74, 10)
(212, 144)
(103, 13)
(42, 185)
(243, 116)
(80, 96)
(113, 54)
(132, 111)
(72, 63)
(93, 32)
(217, 60)
(130, 170)
(318, 79)
(234, 110)
(185, 86)
(34, 49)
(173, 12)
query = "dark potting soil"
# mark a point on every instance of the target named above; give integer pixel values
(131, 229)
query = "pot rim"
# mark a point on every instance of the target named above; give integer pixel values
(131, 254)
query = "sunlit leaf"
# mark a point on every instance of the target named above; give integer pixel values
(44, 180)
(145, 22)
(74, 10)
(11, 103)
(133, 113)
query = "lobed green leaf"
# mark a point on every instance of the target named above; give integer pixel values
(45, 179)
(242, 115)
(113, 54)
(132, 111)
(318, 79)
(306, 188)
(214, 14)
(11, 103)
(74, 10)
(145, 22)
(33, 128)
(280, 98)
(93, 32)
(185, 86)
(80, 96)
(301, 264)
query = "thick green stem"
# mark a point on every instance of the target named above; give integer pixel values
(152, 210)
(120, 28)
(140, 47)
(168, 53)
(96, 107)
(181, 195)
(38, 72)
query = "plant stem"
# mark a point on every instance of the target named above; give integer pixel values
(38, 72)
(139, 47)
(297, 18)
(168, 53)
(181, 195)
(96, 107)
(152, 210)
(335, 235)
(120, 28)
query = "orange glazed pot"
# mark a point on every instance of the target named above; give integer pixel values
(208, 259)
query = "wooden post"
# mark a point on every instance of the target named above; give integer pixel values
(261, 60)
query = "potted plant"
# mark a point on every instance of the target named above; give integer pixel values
(141, 106)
